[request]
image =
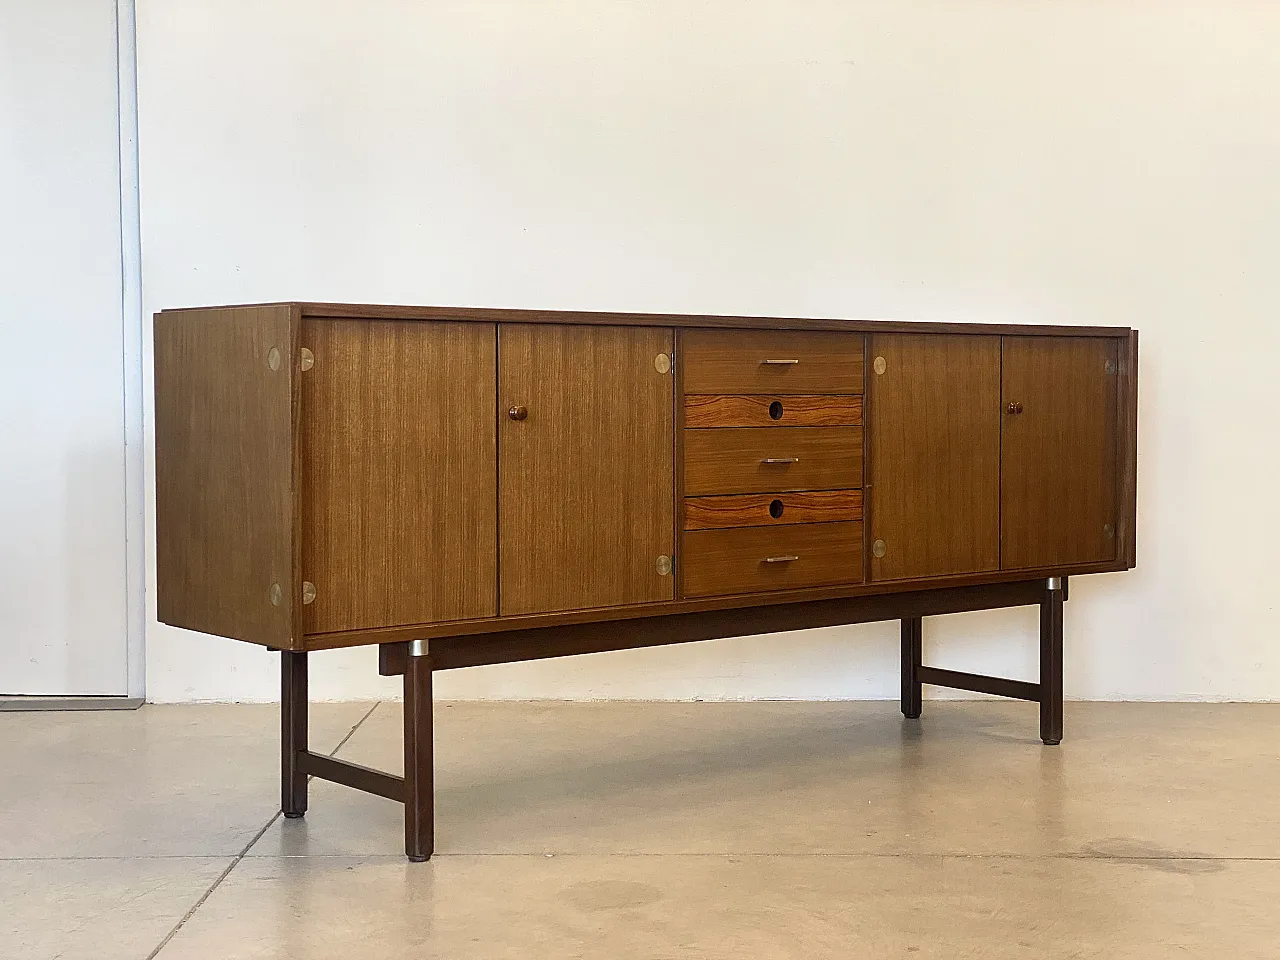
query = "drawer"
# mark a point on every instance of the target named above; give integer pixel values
(771, 361)
(771, 411)
(771, 509)
(751, 559)
(770, 459)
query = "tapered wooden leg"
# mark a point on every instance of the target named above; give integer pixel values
(912, 654)
(419, 785)
(293, 733)
(1051, 662)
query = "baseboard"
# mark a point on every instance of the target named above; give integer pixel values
(23, 704)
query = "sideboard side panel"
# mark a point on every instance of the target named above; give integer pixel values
(225, 421)
(399, 473)
(1127, 494)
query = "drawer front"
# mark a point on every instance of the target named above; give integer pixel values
(752, 559)
(771, 509)
(764, 460)
(771, 362)
(784, 410)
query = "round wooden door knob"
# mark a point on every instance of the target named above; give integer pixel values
(518, 413)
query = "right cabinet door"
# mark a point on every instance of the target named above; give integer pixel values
(1058, 451)
(585, 466)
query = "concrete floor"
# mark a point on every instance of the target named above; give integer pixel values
(618, 830)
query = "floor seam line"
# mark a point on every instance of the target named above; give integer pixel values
(351, 733)
(793, 856)
(249, 846)
(214, 886)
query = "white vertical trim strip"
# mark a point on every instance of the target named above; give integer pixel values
(131, 313)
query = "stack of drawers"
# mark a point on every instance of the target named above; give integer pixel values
(772, 460)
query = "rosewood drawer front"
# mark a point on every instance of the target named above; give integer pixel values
(754, 460)
(750, 559)
(771, 509)
(771, 362)
(702, 411)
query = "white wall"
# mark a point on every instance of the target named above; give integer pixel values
(63, 511)
(1069, 162)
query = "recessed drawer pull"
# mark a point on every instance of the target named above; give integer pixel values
(782, 363)
(786, 559)
(780, 460)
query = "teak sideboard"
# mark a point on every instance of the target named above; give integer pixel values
(472, 486)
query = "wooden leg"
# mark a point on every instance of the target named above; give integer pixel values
(1051, 662)
(293, 733)
(419, 785)
(912, 653)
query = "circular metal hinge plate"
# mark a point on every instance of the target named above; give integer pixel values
(879, 365)
(878, 549)
(275, 595)
(662, 363)
(308, 359)
(663, 566)
(308, 591)
(273, 359)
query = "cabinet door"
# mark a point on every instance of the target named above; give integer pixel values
(933, 411)
(1058, 472)
(585, 466)
(399, 475)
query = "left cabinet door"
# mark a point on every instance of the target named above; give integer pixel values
(586, 437)
(398, 473)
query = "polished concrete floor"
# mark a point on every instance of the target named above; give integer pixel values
(653, 830)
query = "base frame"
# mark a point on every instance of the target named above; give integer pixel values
(417, 660)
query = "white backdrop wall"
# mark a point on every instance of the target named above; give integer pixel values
(1000, 160)
(65, 580)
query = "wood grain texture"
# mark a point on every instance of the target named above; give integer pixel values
(224, 435)
(703, 411)
(586, 481)
(729, 460)
(1059, 459)
(677, 514)
(749, 559)
(754, 509)
(399, 476)
(934, 484)
(734, 363)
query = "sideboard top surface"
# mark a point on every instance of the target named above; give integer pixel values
(509, 315)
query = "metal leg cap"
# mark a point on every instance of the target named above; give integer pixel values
(1052, 743)
(294, 816)
(413, 859)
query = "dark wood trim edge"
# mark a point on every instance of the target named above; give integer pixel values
(352, 775)
(449, 653)
(373, 311)
(600, 615)
(978, 683)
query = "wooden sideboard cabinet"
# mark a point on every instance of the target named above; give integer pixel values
(470, 486)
